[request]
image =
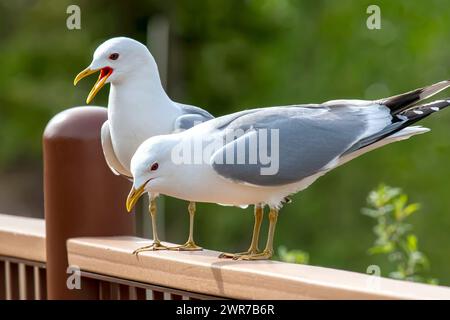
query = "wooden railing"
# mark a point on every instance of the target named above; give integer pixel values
(204, 273)
(22, 258)
(109, 265)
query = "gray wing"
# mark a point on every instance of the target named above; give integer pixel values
(191, 116)
(301, 141)
(114, 164)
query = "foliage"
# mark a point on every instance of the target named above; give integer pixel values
(293, 256)
(394, 238)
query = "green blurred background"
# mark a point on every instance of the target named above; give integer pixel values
(226, 56)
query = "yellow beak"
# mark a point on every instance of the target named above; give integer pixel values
(104, 75)
(134, 196)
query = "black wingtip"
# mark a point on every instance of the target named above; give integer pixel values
(417, 113)
(400, 102)
(402, 120)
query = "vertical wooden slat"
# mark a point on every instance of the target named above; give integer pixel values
(114, 291)
(105, 290)
(132, 293)
(141, 294)
(42, 283)
(26, 275)
(8, 280)
(2, 280)
(22, 281)
(36, 283)
(158, 295)
(12, 281)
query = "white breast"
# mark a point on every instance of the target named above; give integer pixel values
(134, 116)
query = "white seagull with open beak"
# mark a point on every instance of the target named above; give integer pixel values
(262, 156)
(138, 108)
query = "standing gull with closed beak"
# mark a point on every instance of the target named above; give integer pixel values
(138, 108)
(311, 140)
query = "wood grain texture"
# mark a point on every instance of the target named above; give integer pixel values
(202, 272)
(22, 237)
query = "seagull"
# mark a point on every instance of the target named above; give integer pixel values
(138, 108)
(261, 156)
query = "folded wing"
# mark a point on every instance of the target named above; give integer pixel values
(114, 164)
(300, 140)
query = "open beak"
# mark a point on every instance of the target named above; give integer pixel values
(104, 75)
(134, 196)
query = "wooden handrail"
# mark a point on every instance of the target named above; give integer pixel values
(202, 272)
(22, 237)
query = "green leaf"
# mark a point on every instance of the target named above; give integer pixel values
(420, 260)
(396, 256)
(397, 275)
(411, 208)
(293, 256)
(389, 206)
(371, 212)
(399, 204)
(380, 249)
(411, 241)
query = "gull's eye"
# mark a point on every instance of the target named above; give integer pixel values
(114, 56)
(154, 166)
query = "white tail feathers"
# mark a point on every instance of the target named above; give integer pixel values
(403, 134)
(408, 132)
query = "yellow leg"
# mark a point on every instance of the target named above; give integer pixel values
(268, 251)
(255, 237)
(156, 245)
(190, 243)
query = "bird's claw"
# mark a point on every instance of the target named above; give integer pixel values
(236, 256)
(189, 246)
(265, 255)
(153, 247)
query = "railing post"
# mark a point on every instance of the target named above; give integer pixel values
(82, 196)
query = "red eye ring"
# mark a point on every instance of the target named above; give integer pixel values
(114, 56)
(154, 166)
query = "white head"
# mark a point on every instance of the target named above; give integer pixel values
(152, 167)
(118, 59)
